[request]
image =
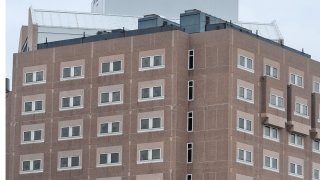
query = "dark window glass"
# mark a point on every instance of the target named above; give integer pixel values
(105, 67)
(29, 77)
(76, 101)
(145, 93)
(145, 62)
(27, 136)
(36, 164)
(189, 177)
(115, 96)
(28, 106)
(144, 155)
(144, 123)
(77, 71)
(37, 135)
(66, 72)
(66, 102)
(155, 154)
(104, 128)
(241, 123)
(39, 76)
(26, 166)
(156, 123)
(190, 121)
(76, 131)
(157, 91)
(64, 162)
(114, 157)
(117, 66)
(65, 132)
(157, 61)
(104, 97)
(115, 126)
(74, 161)
(38, 105)
(103, 158)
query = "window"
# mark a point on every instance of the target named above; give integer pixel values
(147, 124)
(245, 94)
(316, 87)
(244, 156)
(110, 97)
(191, 59)
(276, 102)
(190, 121)
(190, 90)
(189, 177)
(109, 128)
(151, 92)
(109, 158)
(316, 146)
(72, 72)
(70, 132)
(316, 175)
(244, 125)
(150, 155)
(271, 133)
(301, 110)
(70, 162)
(31, 166)
(34, 77)
(270, 163)
(271, 71)
(189, 152)
(295, 169)
(151, 62)
(33, 106)
(111, 67)
(296, 140)
(296, 80)
(71, 102)
(34, 136)
(245, 63)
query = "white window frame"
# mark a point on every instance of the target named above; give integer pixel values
(189, 63)
(72, 77)
(190, 149)
(31, 171)
(110, 133)
(61, 108)
(70, 137)
(277, 139)
(111, 71)
(272, 73)
(150, 129)
(191, 119)
(151, 98)
(69, 163)
(32, 141)
(191, 86)
(245, 98)
(110, 98)
(301, 107)
(314, 144)
(150, 160)
(152, 67)
(109, 164)
(245, 125)
(296, 76)
(315, 84)
(245, 67)
(295, 139)
(34, 78)
(296, 170)
(34, 111)
(244, 157)
(313, 172)
(271, 163)
(277, 105)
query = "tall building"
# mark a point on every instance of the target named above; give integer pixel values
(201, 100)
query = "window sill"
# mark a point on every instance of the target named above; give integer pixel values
(272, 77)
(151, 68)
(31, 172)
(245, 131)
(295, 175)
(110, 104)
(271, 169)
(151, 99)
(71, 78)
(297, 146)
(70, 108)
(109, 134)
(296, 85)
(69, 138)
(276, 107)
(245, 100)
(108, 165)
(149, 162)
(246, 69)
(33, 112)
(32, 142)
(316, 151)
(34, 83)
(244, 162)
(150, 130)
(69, 168)
(271, 139)
(110, 73)
(300, 115)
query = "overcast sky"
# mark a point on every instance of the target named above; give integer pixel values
(298, 20)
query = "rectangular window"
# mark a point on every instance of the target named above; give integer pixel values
(301, 110)
(111, 97)
(151, 62)
(191, 59)
(270, 163)
(109, 158)
(190, 121)
(271, 133)
(150, 155)
(109, 128)
(316, 146)
(271, 71)
(296, 80)
(245, 94)
(244, 156)
(189, 152)
(31, 166)
(316, 175)
(70, 132)
(71, 162)
(189, 177)
(295, 169)
(245, 63)
(111, 67)
(190, 90)
(72, 72)
(316, 87)
(296, 140)
(150, 124)
(276, 102)
(151, 92)
(34, 77)
(33, 136)
(33, 106)
(71, 102)
(244, 125)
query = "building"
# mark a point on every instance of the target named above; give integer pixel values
(201, 101)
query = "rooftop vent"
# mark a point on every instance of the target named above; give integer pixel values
(154, 20)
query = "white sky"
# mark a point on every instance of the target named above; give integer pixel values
(298, 20)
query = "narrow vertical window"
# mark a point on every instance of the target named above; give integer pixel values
(189, 177)
(190, 121)
(189, 152)
(191, 59)
(190, 90)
